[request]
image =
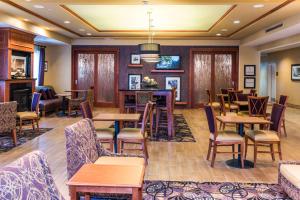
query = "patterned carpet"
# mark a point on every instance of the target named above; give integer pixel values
(6, 142)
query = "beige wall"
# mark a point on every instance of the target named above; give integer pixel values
(59, 67)
(284, 84)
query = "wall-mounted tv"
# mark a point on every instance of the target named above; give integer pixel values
(168, 62)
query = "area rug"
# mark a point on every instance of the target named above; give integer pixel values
(183, 132)
(6, 142)
(162, 190)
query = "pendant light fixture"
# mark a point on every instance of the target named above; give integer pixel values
(150, 51)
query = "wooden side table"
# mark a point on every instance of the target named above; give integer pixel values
(108, 179)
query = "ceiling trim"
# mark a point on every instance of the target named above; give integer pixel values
(128, 31)
(262, 16)
(39, 16)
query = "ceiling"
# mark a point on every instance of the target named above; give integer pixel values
(191, 19)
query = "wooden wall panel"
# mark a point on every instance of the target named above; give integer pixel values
(21, 41)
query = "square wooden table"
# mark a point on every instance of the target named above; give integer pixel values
(240, 121)
(108, 179)
(117, 118)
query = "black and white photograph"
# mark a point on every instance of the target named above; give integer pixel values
(249, 82)
(134, 81)
(173, 82)
(18, 66)
(249, 70)
(295, 72)
(135, 59)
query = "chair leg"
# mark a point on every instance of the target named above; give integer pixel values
(242, 154)
(145, 150)
(246, 146)
(283, 126)
(157, 120)
(221, 125)
(69, 111)
(255, 154)
(33, 127)
(279, 151)
(119, 146)
(111, 145)
(14, 136)
(20, 129)
(214, 155)
(233, 151)
(272, 152)
(209, 150)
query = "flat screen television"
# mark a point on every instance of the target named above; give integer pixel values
(168, 62)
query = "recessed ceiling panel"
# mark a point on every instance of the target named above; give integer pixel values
(165, 17)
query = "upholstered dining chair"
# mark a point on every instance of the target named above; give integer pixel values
(104, 135)
(258, 106)
(82, 148)
(231, 98)
(224, 111)
(214, 104)
(221, 138)
(32, 115)
(267, 137)
(29, 177)
(8, 112)
(136, 135)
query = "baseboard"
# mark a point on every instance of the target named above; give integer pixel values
(293, 105)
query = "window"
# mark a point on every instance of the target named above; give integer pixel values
(36, 61)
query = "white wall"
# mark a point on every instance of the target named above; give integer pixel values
(59, 67)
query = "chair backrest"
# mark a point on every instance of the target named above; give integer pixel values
(142, 98)
(81, 145)
(276, 117)
(242, 96)
(209, 96)
(258, 106)
(90, 96)
(211, 119)
(283, 100)
(174, 93)
(231, 96)
(35, 102)
(222, 104)
(86, 110)
(146, 114)
(29, 177)
(8, 112)
(224, 91)
(253, 92)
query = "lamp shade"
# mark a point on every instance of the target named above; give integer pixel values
(149, 48)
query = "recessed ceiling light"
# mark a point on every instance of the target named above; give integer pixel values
(39, 6)
(47, 28)
(224, 29)
(67, 22)
(88, 34)
(218, 34)
(81, 29)
(236, 21)
(28, 0)
(26, 20)
(258, 5)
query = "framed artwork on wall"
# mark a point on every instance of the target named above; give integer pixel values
(18, 66)
(134, 81)
(249, 70)
(295, 72)
(173, 82)
(135, 59)
(249, 82)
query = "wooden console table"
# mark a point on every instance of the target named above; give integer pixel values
(108, 179)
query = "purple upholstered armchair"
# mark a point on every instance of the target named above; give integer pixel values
(82, 147)
(28, 178)
(289, 178)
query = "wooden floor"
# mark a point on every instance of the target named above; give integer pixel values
(169, 161)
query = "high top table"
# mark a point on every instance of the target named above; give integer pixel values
(117, 118)
(240, 121)
(108, 179)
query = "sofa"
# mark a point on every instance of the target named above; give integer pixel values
(49, 101)
(289, 178)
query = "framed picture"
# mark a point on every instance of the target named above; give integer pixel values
(134, 81)
(46, 66)
(18, 66)
(249, 83)
(173, 82)
(135, 59)
(295, 72)
(249, 70)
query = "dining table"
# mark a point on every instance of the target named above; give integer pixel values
(240, 121)
(117, 118)
(64, 101)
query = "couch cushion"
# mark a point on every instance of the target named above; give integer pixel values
(291, 173)
(44, 94)
(50, 102)
(49, 94)
(108, 160)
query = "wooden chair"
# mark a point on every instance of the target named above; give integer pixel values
(142, 98)
(258, 106)
(104, 135)
(231, 98)
(136, 136)
(224, 138)
(74, 103)
(267, 137)
(223, 111)
(253, 92)
(32, 115)
(214, 104)
(8, 112)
